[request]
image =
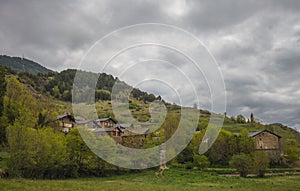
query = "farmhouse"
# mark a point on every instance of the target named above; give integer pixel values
(268, 142)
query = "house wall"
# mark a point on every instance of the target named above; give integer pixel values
(128, 133)
(107, 124)
(270, 144)
(266, 140)
(65, 122)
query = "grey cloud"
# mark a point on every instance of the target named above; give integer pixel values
(256, 43)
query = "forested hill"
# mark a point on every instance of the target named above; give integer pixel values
(23, 65)
(60, 84)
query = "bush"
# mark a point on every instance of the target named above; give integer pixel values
(189, 166)
(201, 161)
(261, 163)
(185, 156)
(243, 163)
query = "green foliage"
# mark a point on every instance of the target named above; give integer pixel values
(103, 95)
(28, 113)
(245, 142)
(189, 165)
(35, 153)
(203, 123)
(45, 153)
(41, 120)
(242, 162)
(3, 127)
(61, 85)
(221, 150)
(291, 150)
(2, 88)
(3, 121)
(261, 163)
(56, 93)
(79, 153)
(185, 156)
(170, 125)
(23, 65)
(19, 103)
(225, 146)
(201, 161)
(252, 118)
(240, 119)
(136, 93)
(196, 141)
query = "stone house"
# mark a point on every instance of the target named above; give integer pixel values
(268, 142)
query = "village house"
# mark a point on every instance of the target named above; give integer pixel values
(106, 122)
(268, 142)
(66, 121)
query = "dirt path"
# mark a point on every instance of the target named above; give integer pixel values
(267, 174)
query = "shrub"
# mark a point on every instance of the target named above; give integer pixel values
(243, 163)
(201, 161)
(261, 163)
(189, 165)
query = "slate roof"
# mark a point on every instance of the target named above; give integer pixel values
(107, 129)
(90, 123)
(94, 124)
(124, 125)
(138, 130)
(105, 119)
(253, 134)
(66, 115)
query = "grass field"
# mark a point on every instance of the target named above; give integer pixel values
(175, 179)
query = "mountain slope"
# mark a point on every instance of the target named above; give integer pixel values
(23, 65)
(59, 85)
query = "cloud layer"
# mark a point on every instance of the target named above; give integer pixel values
(256, 43)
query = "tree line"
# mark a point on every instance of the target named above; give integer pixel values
(60, 85)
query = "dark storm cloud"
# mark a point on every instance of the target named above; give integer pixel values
(256, 43)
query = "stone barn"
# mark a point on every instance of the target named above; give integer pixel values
(269, 143)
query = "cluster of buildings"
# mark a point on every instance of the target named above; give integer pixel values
(125, 134)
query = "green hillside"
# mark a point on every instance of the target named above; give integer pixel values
(58, 86)
(30, 104)
(22, 65)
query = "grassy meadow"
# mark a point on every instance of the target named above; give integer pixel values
(175, 179)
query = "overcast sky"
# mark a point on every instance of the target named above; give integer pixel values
(255, 43)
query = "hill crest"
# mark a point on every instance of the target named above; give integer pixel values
(23, 65)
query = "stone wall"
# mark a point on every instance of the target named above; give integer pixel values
(267, 140)
(270, 144)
